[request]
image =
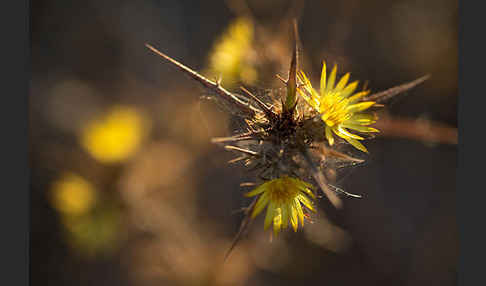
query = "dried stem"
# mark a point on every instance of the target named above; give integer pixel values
(422, 130)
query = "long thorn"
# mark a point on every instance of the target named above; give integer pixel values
(334, 153)
(243, 227)
(260, 103)
(249, 152)
(321, 180)
(231, 139)
(298, 45)
(211, 85)
(391, 92)
(291, 99)
(337, 189)
(247, 184)
(237, 159)
(281, 79)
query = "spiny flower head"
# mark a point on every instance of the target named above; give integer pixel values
(340, 108)
(284, 197)
(281, 137)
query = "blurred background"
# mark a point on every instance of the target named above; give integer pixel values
(126, 188)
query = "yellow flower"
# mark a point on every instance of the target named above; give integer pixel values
(116, 135)
(339, 107)
(230, 55)
(284, 197)
(73, 195)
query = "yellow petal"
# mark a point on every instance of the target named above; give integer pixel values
(310, 186)
(305, 187)
(329, 136)
(293, 216)
(360, 106)
(307, 86)
(364, 123)
(349, 89)
(300, 183)
(305, 81)
(300, 213)
(304, 96)
(332, 79)
(285, 215)
(358, 96)
(258, 190)
(277, 220)
(341, 131)
(342, 82)
(363, 118)
(315, 98)
(262, 201)
(302, 92)
(323, 77)
(269, 216)
(307, 191)
(357, 144)
(305, 201)
(359, 128)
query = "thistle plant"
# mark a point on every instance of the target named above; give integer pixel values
(289, 139)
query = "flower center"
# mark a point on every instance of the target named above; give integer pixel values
(280, 192)
(334, 109)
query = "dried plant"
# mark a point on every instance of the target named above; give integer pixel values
(288, 139)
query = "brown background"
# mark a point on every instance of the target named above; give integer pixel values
(403, 232)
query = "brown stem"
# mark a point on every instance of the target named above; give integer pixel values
(416, 129)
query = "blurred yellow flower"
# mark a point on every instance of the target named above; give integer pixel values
(228, 58)
(116, 136)
(339, 107)
(73, 195)
(284, 197)
(95, 233)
